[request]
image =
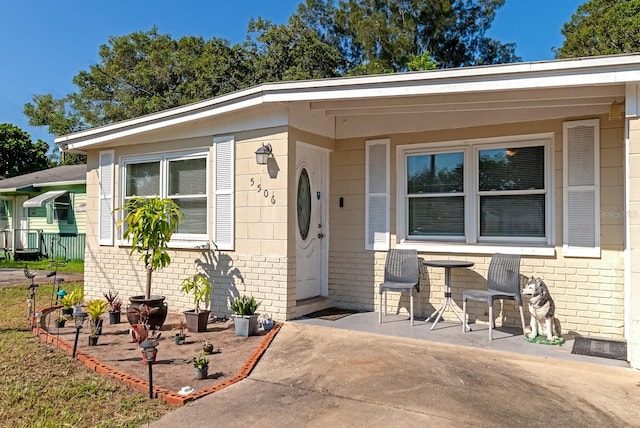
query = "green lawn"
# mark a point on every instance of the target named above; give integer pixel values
(44, 387)
(71, 266)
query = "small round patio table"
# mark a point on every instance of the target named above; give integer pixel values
(447, 265)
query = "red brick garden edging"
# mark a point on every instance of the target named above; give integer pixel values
(170, 397)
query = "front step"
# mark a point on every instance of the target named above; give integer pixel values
(312, 304)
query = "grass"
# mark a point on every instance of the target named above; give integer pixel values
(44, 387)
(71, 266)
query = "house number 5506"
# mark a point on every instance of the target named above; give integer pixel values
(264, 192)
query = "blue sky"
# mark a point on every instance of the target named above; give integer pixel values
(44, 43)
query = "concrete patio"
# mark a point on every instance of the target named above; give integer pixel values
(450, 332)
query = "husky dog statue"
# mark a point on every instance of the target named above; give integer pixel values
(542, 310)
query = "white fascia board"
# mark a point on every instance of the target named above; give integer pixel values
(543, 74)
(129, 128)
(60, 183)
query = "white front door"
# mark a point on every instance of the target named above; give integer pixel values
(311, 264)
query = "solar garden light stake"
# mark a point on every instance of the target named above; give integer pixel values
(78, 319)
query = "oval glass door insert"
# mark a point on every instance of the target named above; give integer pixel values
(304, 204)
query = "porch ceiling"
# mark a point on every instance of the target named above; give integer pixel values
(379, 116)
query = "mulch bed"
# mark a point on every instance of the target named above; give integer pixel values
(233, 359)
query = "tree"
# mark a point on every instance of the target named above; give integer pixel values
(290, 52)
(142, 73)
(380, 36)
(602, 27)
(32, 156)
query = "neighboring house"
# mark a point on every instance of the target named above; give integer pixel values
(42, 214)
(540, 159)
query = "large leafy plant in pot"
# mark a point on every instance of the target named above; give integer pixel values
(200, 287)
(149, 224)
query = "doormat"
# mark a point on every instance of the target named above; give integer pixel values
(602, 348)
(331, 314)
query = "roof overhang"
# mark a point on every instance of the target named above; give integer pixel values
(42, 199)
(396, 93)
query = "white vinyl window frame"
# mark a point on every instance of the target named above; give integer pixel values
(472, 243)
(178, 240)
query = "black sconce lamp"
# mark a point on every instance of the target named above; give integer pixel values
(263, 153)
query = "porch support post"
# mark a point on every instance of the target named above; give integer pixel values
(632, 229)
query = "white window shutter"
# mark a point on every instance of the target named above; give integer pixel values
(377, 195)
(105, 202)
(581, 188)
(223, 192)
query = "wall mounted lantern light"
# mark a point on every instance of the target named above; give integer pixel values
(616, 110)
(263, 153)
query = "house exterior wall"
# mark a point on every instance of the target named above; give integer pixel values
(259, 265)
(588, 292)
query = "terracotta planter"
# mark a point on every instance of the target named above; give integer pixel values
(197, 322)
(156, 317)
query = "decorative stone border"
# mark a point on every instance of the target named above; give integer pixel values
(169, 397)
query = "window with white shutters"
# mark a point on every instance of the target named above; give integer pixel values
(479, 192)
(581, 188)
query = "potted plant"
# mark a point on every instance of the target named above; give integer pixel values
(200, 287)
(200, 366)
(245, 319)
(61, 320)
(207, 347)
(140, 330)
(149, 224)
(67, 304)
(95, 309)
(181, 334)
(115, 306)
(72, 301)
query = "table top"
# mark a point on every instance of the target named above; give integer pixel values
(448, 263)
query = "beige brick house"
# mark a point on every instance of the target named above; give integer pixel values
(539, 159)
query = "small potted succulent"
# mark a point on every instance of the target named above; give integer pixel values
(200, 366)
(245, 318)
(181, 334)
(207, 347)
(200, 287)
(115, 306)
(95, 309)
(61, 320)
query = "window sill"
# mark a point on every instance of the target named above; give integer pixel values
(433, 247)
(181, 244)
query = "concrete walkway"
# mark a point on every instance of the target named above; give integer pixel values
(318, 376)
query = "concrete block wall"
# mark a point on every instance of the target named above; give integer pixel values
(588, 293)
(264, 278)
